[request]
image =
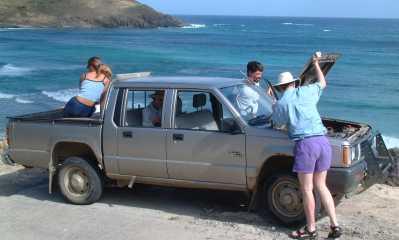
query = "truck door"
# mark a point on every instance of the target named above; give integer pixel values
(205, 143)
(139, 134)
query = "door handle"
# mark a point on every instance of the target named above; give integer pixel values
(236, 154)
(127, 134)
(178, 137)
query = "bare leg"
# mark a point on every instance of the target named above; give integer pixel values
(325, 195)
(306, 182)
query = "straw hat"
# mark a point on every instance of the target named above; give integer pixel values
(285, 78)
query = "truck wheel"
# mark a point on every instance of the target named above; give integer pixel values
(80, 182)
(283, 198)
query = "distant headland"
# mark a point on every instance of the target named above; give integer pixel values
(82, 13)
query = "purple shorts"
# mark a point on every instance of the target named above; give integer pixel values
(312, 154)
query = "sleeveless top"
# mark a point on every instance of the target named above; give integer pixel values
(91, 90)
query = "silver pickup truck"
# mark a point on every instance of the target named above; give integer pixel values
(204, 140)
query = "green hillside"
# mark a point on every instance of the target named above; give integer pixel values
(82, 13)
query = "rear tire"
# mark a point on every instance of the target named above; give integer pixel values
(283, 198)
(80, 181)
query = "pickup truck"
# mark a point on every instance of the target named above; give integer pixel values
(204, 140)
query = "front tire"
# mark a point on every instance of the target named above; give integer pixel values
(283, 198)
(80, 181)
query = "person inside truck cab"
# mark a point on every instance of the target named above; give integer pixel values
(152, 114)
(92, 91)
(297, 111)
(255, 73)
(246, 100)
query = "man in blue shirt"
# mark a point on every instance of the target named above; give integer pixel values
(247, 98)
(297, 112)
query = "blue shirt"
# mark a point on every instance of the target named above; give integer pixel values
(150, 113)
(91, 90)
(297, 110)
(247, 102)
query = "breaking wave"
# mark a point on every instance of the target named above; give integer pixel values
(391, 142)
(298, 24)
(6, 96)
(11, 70)
(194, 26)
(61, 95)
(23, 101)
(17, 98)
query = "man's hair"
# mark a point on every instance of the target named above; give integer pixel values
(254, 66)
(92, 60)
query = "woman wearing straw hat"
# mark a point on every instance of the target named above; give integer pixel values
(297, 111)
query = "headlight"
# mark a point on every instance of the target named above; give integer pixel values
(356, 152)
(353, 154)
(346, 155)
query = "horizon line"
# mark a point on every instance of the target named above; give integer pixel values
(275, 16)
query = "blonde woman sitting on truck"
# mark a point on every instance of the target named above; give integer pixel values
(92, 91)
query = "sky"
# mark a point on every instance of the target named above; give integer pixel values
(294, 8)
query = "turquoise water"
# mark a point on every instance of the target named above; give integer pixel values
(39, 68)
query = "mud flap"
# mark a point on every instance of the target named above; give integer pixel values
(379, 161)
(51, 173)
(6, 159)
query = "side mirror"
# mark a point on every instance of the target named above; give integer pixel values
(235, 129)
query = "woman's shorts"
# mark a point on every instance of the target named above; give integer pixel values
(312, 155)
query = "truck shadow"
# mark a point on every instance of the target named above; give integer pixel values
(223, 206)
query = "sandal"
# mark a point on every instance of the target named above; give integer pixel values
(335, 232)
(304, 234)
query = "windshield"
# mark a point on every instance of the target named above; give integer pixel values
(251, 102)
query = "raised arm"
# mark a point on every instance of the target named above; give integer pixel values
(320, 74)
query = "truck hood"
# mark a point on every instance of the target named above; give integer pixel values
(345, 130)
(327, 61)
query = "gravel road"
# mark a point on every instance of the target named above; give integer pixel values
(29, 212)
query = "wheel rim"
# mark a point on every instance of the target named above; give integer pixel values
(287, 198)
(77, 182)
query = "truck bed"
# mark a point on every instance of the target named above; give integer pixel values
(32, 137)
(55, 116)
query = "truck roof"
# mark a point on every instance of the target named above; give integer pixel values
(179, 82)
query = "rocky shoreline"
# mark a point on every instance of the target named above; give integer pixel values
(82, 14)
(393, 179)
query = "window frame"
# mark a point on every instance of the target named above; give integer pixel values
(122, 122)
(213, 93)
(117, 111)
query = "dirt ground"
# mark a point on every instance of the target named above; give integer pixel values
(145, 212)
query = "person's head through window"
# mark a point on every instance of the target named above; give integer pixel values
(93, 64)
(152, 114)
(255, 72)
(157, 99)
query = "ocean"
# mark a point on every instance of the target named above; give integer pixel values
(40, 68)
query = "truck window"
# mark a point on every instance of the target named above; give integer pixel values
(254, 106)
(118, 108)
(144, 108)
(202, 111)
